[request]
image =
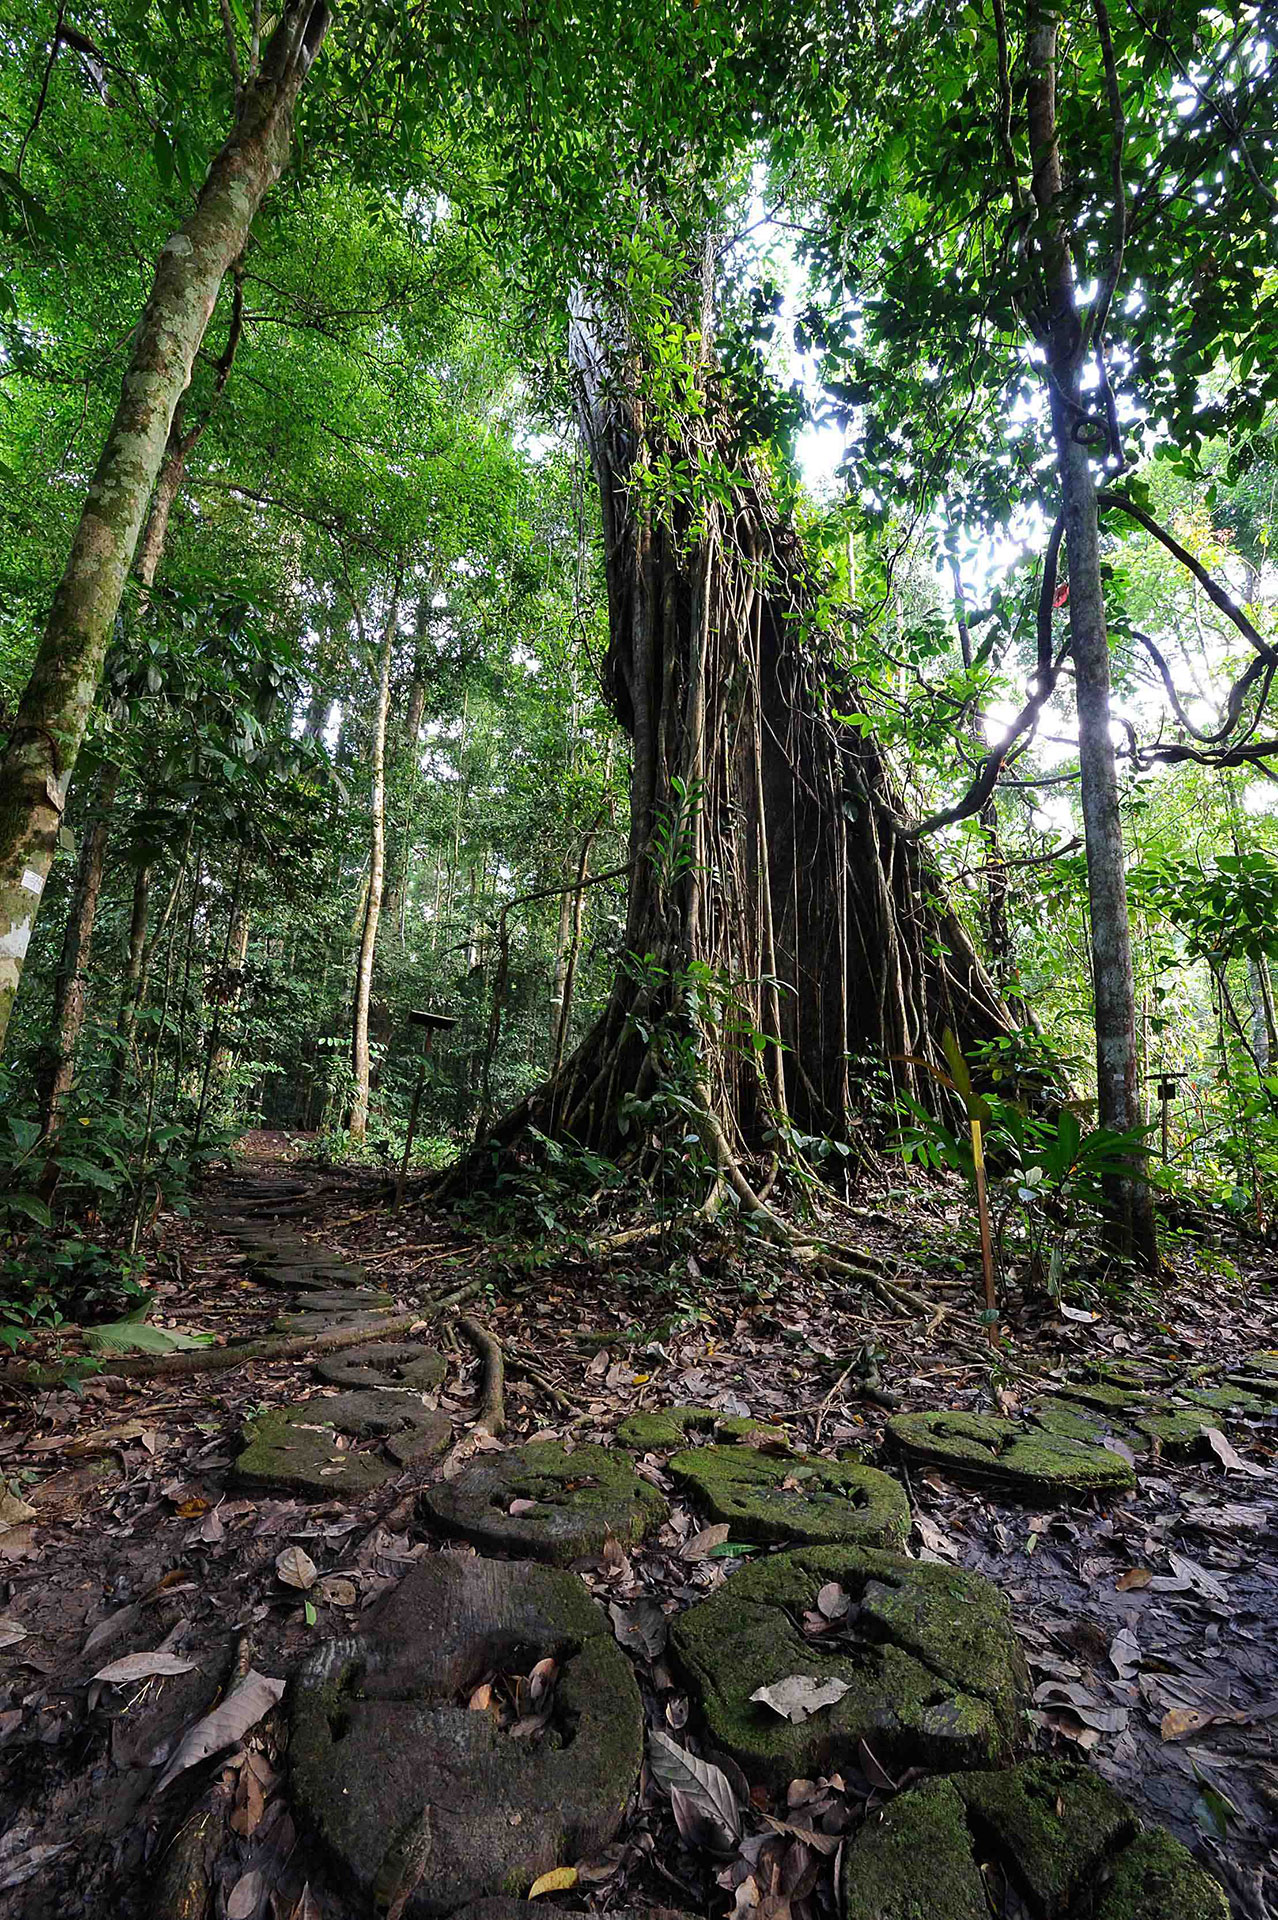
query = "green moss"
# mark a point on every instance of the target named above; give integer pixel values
(1176, 1430)
(1072, 1422)
(1026, 1460)
(1055, 1820)
(832, 1500)
(1227, 1400)
(913, 1861)
(296, 1449)
(388, 1363)
(1111, 1400)
(1156, 1879)
(384, 1754)
(670, 1427)
(580, 1500)
(933, 1671)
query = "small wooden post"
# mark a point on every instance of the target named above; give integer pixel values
(987, 1242)
(432, 1023)
(1167, 1089)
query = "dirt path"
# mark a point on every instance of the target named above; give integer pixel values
(1149, 1621)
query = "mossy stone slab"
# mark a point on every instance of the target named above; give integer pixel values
(1119, 1402)
(913, 1861)
(296, 1446)
(347, 1300)
(1066, 1840)
(1228, 1400)
(579, 1501)
(1070, 1421)
(670, 1427)
(405, 1786)
(934, 1673)
(390, 1363)
(1178, 1431)
(315, 1322)
(302, 1456)
(1052, 1821)
(1157, 1879)
(1263, 1385)
(1027, 1461)
(298, 1276)
(833, 1500)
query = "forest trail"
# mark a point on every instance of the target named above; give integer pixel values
(154, 1531)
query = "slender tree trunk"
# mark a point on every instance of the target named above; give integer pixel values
(998, 936)
(376, 877)
(397, 891)
(131, 985)
(70, 987)
(1117, 1059)
(53, 713)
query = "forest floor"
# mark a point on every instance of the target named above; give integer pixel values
(1150, 1621)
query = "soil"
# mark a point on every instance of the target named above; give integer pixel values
(1148, 1618)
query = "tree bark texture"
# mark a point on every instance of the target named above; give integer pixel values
(1062, 336)
(360, 1064)
(55, 706)
(782, 939)
(71, 984)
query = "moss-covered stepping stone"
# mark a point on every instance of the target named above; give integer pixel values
(797, 1497)
(1157, 1879)
(670, 1427)
(390, 1363)
(1118, 1402)
(1073, 1422)
(545, 1502)
(407, 1786)
(314, 1322)
(1027, 1461)
(1178, 1431)
(932, 1670)
(1227, 1400)
(298, 1277)
(1065, 1839)
(297, 1447)
(913, 1861)
(1052, 1823)
(347, 1300)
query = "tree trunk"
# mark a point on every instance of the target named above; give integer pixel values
(1119, 1102)
(376, 877)
(71, 984)
(59, 695)
(998, 935)
(781, 936)
(397, 891)
(131, 985)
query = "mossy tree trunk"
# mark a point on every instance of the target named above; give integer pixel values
(780, 931)
(41, 753)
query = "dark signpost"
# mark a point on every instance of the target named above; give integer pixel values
(431, 1024)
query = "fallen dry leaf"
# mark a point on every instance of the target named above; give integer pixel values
(800, 1695)
(1178, 1721)
(1228, 1456)
(246, 1703)
(296, 1569)
(144, 1666)
(704, 1542)
(558, 1880)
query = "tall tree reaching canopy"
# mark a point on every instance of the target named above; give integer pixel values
(45, 739)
